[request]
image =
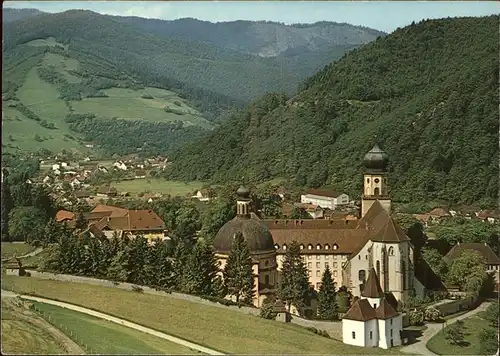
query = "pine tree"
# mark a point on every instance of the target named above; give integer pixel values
(294, 285)
(238, 273)
(202, 270)
(327, 304)
(7, 205)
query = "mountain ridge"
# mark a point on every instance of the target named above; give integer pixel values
(426, 91)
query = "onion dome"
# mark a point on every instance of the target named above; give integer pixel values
(243, 192)
(376, 159)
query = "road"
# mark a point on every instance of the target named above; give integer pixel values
(117, 321)
(420, 347)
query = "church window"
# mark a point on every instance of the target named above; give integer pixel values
(362, 274)
(359, 257)
(366, 257)
(377, 180)
(377, 191)
(367, 180)
(371, 335)
(266, 263)
(391, 332)
(266, 279)
(391, 251)
(391, 321)
(374, 305)
(378, 268)
(353, 334)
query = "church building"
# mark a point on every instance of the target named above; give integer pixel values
(349, 248)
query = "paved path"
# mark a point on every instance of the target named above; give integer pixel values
(122, 322)
(33, 253)
(420, 347)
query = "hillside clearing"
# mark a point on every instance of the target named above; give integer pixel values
(106, 337)
(225, 330)
(155, 185)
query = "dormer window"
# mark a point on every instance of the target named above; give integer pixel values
(284, 247)
(335, 246)
(310, 247)
(318, 247)
(301, 246)
(327, 247)
(276, 246)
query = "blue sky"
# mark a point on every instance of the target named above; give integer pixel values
(385, 16)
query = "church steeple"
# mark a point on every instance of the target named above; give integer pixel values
(243, 202)
(375, 185)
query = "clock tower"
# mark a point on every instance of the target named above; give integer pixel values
(375, 180)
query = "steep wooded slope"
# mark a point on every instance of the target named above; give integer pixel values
(428, 93)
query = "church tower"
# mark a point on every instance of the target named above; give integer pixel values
(375, 180)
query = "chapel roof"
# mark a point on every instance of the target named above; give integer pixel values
(361, 310)
(372, 287)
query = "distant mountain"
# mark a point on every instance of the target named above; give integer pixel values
(428, 93)
(9, 15)
(263, 38)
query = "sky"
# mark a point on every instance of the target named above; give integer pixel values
(384, 16)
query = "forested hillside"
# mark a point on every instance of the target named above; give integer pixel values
(427, 93)
(263, 38)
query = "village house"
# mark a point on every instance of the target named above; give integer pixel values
(325, 198)
(491, 260)
(202, 195)
(110, 221)
(439, 214)
(486, 215)
(315, 211)
(120, 165)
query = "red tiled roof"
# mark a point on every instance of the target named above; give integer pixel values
(483, 249)
(361, 310)
(385, 310)
(64, 215)
(391, 232)
(135, 220)
(115, 211)
(439, 212)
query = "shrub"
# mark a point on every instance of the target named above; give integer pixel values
(266, 311)
(177, 102)
(416, 317)
(147, 96)
(432, 314)
(323, 333)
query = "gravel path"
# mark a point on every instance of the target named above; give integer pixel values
(125, 323)
(420, 347)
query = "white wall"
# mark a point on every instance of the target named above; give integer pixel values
(357, 263)
(385, 328)
(371, 325)
(348, 326)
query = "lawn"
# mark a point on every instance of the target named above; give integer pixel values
(225, 330)
(10, 248)
(19, 336)
(473, 326)
(129, 104)
(155, 185)
(105, 337)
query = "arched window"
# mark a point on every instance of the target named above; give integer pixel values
(362, 275)
(378, 268)
(266, 279)
(367, 180)
(391, 251)
(377, 191)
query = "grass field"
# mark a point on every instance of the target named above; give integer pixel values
(473, 326)
(222, 329)
(19, 336)
(153, 185)
(9, 249)
(128, 104)
(105, 337)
